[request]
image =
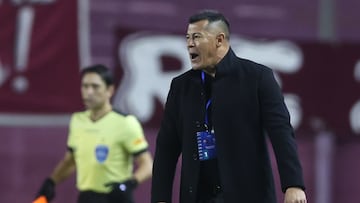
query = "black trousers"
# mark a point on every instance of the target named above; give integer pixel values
(94, 197)
(218, 198)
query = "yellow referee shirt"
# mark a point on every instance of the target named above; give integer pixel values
(104, 149)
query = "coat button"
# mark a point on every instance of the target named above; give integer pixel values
(195, 156)
(190, 189)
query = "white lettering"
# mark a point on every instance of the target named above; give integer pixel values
(144, 80)
(22, 47)
(292, 101)
(283, 56)
(355, 110)
(355, 118)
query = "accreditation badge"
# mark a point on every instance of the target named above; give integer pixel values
(206, 145)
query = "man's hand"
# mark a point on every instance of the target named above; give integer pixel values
(295, 195)
(47, 189)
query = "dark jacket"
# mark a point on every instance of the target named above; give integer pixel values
(247, 103)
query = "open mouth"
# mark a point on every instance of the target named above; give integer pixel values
(194, 56)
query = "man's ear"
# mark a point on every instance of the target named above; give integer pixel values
(220, 39)
(111, 90)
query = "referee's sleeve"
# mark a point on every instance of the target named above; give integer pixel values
(135, 142)
(70, 139)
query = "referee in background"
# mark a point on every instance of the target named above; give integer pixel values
(102, 147)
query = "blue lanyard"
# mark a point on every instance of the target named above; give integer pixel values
(208, 101)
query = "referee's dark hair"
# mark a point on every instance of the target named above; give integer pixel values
(102, 71)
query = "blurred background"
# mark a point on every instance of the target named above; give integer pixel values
(312, 45)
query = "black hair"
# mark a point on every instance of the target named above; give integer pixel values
(102, 71)
(211, 16)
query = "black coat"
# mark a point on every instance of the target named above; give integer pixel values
(247, 103)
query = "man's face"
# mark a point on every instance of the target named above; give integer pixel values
(201, 45)
(94, 91)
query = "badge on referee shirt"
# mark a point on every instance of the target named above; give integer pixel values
(101, 153)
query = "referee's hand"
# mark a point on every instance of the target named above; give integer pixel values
(295, 195)
(47, 189)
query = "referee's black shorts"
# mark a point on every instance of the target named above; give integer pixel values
(94, 197)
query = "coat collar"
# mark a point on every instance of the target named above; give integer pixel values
(225, 66)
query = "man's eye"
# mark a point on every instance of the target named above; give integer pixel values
(95, 87)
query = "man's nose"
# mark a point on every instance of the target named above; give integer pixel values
(89, 91)
(190, 42)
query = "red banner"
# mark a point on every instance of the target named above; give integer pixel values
(39, 56)
(40, 60)
(321, 82)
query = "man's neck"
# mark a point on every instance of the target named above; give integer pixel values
(96, 114)
(210, 71)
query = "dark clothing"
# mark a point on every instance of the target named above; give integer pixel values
(208, 191)
(92, 197)
(209, 178)
(246, 103)
(95, 197)
(219, 198)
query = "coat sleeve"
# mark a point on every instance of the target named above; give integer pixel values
(168, 148)
(276, 120)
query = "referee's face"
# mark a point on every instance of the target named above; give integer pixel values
(94, 91)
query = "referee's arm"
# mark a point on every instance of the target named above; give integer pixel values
(65, 168)
(144, 164)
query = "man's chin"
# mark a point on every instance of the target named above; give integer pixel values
(88, 106)
(197, 67)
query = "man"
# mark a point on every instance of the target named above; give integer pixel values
(216, 116)
(101, 146)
